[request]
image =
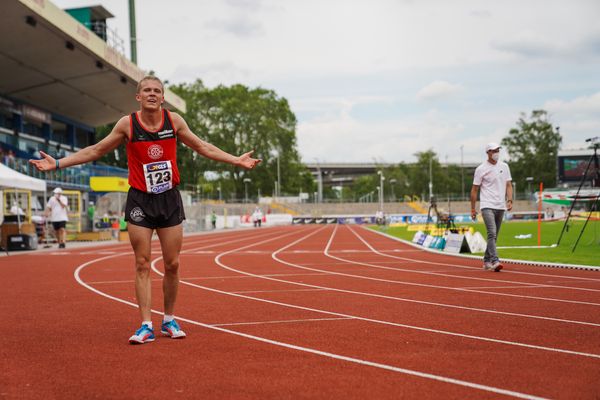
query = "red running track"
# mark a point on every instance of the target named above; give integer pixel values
(325, 312)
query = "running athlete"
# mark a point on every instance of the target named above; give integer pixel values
(153, 201)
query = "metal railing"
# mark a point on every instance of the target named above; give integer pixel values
(77, 176)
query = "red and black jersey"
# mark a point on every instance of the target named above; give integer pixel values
(152, 155)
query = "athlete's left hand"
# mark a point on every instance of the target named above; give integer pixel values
(246, 161)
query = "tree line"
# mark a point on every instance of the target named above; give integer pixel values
(237, 118)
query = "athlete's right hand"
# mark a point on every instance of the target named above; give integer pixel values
(47, 163)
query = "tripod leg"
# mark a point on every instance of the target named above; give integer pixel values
(592, 210)
(593, 157)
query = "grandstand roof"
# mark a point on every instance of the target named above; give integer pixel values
(50, 60)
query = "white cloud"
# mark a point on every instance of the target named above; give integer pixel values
(353, 70)
(578, 118)
(337, 136)
(584, 105)
(438, 90)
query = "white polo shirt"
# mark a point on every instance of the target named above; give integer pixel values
(492, 178)
(58, 212)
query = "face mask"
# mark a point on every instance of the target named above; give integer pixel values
(495, 156)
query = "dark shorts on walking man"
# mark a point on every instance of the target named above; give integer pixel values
(59, 225)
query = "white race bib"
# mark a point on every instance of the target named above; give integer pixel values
(159, 176)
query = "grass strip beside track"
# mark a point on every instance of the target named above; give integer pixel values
(586, 253)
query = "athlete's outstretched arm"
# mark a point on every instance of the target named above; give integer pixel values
(208, 150)
(90, 153)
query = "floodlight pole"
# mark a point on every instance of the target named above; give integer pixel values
(132, 33)
(381, 179)
(431, 178)
(278, 178)
(246, 182)
(462, 172)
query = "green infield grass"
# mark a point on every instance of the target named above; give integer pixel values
(586, 253)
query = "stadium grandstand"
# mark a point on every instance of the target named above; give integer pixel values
(62, 74)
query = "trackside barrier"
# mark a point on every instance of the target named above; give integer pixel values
(449, 242)
(358, 220)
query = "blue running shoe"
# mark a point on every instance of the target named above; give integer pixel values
(143, 335)
(172, 330)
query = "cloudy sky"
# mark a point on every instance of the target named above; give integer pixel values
(383, 79)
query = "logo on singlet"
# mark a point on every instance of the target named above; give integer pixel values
(155, 151)
(137, 214)
(166, 133)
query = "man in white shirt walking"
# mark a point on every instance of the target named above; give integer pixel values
(493, 177)
(57, 208)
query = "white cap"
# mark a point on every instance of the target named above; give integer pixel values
(57, 190)
(491, 146)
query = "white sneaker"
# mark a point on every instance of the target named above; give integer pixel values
(172, 330)
(142, 335)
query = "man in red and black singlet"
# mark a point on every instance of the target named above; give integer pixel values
(152, 155)
(153, 201)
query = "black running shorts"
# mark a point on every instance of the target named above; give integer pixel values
(153, 211)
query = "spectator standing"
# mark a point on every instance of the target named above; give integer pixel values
(213, 219)
(257, 217)
(91, 212)
(57, 209)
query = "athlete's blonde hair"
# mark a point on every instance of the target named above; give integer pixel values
(149, 78)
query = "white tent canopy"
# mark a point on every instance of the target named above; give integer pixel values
(9, 178)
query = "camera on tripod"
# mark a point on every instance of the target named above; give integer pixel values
(593, 140)
(594, 179)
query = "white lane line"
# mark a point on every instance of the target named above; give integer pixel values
(279, 291)
(525, 284)
(206, 245)
(445, 305)
(247, 277)
(325, 272)
(203, 278)
(287, 321)
(217, 260)
(471, 267)
(413, 284)
(507, 287)
(387, 367)
(432, 286)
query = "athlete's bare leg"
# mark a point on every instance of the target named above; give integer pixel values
(170, 243)
(140, 238)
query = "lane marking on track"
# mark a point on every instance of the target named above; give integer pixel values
(208, 244)
(508, 287)
(246, 277)
(217, 260)
(279, 291)
(458, 276)
(403, 299)
(358, 361)
(289, 321)
(439, 286)
(525, 262)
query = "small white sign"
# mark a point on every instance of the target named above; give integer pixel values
(457, 242)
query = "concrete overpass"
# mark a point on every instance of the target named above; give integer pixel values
(334, 174)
